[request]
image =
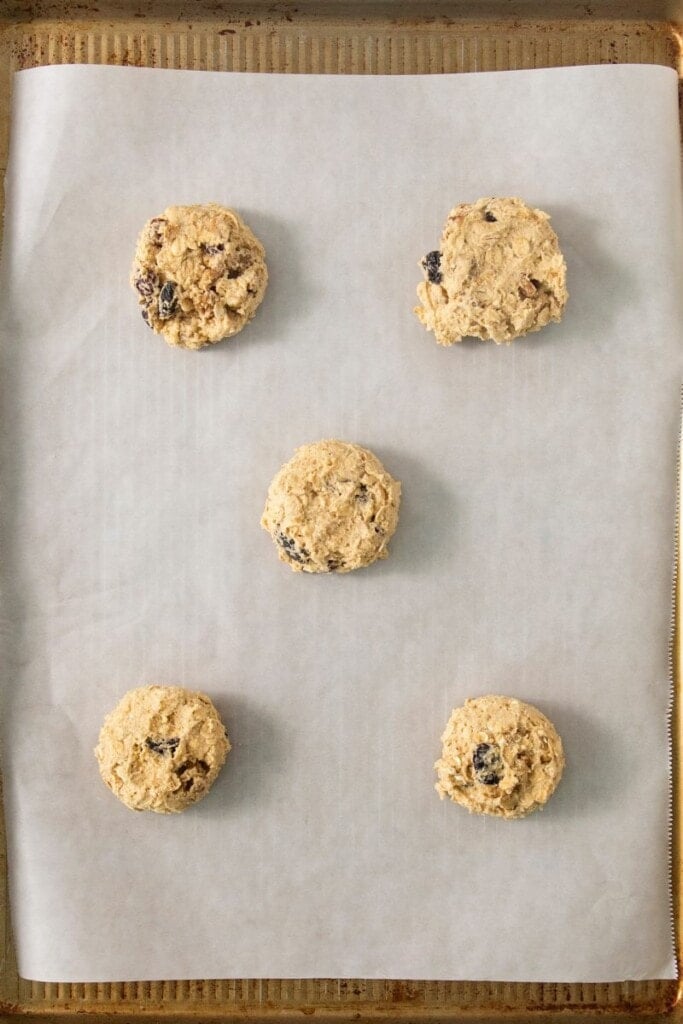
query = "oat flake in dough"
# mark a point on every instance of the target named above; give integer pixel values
(499, 274)
(161, 748)
(500, 756)
(199, 273)
(332, 508)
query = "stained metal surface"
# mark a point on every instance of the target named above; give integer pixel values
(336, 37)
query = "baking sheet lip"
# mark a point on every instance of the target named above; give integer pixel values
(370, 76)
(354, 1009)
(441, 13)
(285, 1013)
(398, 984)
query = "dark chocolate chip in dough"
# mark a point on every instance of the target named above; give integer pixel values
(162, 746)
(146, 284)
(487, 764)
(168, 300)
(432, 266)
(157, 226)
(292, 549)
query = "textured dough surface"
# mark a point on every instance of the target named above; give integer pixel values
(199, 274)
(332, 508)
(500, 756)
(161, 748)
(498, 275)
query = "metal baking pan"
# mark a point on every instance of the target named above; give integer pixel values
(340, 37)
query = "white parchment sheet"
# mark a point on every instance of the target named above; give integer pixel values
(533, 554)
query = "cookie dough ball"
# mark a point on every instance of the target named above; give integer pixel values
(498, 275)
(500, 756)
(161, 748)
(199, 273)
(332, 508)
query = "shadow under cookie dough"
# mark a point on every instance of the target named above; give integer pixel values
(288, 294)
(596, 279)
(598, 764)
(427, 529)
(258, 753)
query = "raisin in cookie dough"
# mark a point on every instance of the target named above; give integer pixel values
(498, 275)
(199, 273)
(500, 756)
(161, 748)
(332, 508)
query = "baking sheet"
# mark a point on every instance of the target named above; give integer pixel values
(533, 554)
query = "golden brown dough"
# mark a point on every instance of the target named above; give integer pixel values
(199, 273)
(499, 274)
(161, 748)
(500, 756)
(332, 508)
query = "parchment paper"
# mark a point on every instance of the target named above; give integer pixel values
(533, 555)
